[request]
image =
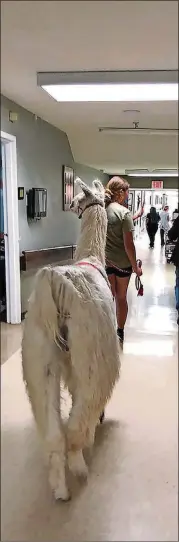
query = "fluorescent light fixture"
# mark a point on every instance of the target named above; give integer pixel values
(155, 173)
(114, 92)
(138, 131)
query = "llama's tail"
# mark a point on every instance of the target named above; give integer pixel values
(50, 287)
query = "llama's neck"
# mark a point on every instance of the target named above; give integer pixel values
(92, 239)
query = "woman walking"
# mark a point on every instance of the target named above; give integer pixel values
(152, 221)
(164, 224)
(173, 235)
(120, 250)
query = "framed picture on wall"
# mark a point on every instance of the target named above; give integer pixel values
(131, 201)
(143, 197)
(68, 186)
(137, 200)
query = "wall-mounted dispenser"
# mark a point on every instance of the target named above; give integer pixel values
(36, 203)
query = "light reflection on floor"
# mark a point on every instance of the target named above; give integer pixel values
(149, 348)
(154, 312)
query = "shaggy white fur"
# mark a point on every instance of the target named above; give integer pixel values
(70, 336)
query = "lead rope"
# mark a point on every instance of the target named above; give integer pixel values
(138, 283)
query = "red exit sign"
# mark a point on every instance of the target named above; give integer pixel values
(157, 185)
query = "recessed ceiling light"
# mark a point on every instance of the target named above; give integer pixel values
(131, 110)
(115, 92)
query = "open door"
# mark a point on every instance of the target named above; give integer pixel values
(3, 307)
(10, 225)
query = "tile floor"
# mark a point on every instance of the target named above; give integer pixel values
(132, 490)
(10, 340)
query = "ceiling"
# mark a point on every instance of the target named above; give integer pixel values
(93, 35)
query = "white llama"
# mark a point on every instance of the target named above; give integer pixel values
(70, 336)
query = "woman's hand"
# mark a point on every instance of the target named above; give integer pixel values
(138, 271)
(138, 214)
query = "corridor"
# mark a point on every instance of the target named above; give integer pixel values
(132, 490)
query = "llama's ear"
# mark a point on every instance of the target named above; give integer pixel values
(86, 189)
(98, 185)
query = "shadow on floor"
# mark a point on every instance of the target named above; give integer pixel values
(34, 504)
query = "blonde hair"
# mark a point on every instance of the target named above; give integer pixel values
(114, 188)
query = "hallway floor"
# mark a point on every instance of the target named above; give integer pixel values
(131, 494)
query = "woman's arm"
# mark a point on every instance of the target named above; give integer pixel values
(139, 214)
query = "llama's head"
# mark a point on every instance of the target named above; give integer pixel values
(88, 197)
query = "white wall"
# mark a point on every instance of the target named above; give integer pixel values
(42, 149)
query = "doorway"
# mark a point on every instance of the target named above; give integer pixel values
(10, 226)
(151, 197)
(159, 198)
(2, 248)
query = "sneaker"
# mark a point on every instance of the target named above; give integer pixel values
(101, 419)
(120, 333)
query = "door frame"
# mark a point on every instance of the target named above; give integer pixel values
(11, 229)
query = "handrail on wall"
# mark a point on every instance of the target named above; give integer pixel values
(33, 259)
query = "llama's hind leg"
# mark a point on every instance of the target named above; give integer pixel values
(40, 360)
(55, 441)
(76, 462)
(80, 434)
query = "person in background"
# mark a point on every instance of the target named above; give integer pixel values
(173, 235)
(164, 224)
(175, 214)
(152, 220)
(120, 248)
